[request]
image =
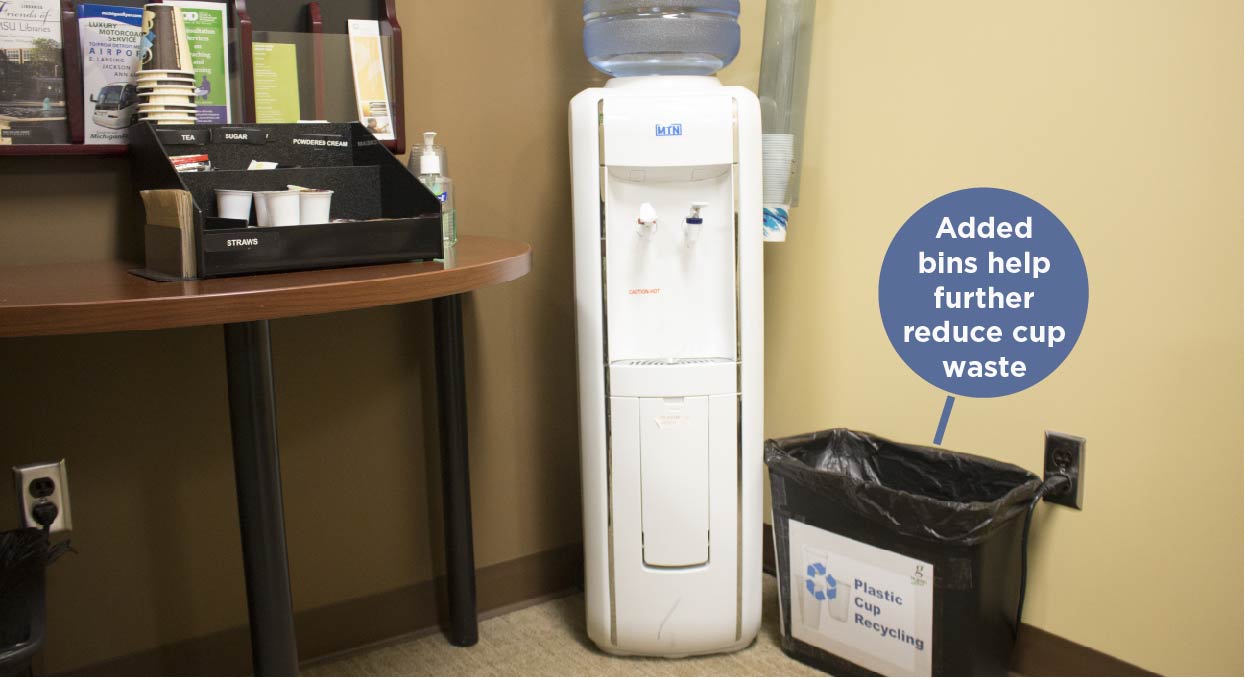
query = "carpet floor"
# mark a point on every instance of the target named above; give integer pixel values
(549, 639)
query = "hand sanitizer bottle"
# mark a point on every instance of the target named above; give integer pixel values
(431, 166)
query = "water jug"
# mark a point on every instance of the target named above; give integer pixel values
(661, 37)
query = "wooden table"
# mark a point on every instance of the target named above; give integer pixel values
(105, 297)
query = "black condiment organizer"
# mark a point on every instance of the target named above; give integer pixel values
(397, 218)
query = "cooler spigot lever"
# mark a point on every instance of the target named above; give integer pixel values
(693, 224)
(646, 224)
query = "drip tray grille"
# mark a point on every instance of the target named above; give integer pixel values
(670, 362)
(673, 377)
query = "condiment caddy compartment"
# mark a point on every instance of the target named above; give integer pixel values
(379, 211)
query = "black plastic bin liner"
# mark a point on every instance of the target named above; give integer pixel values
(961, 513)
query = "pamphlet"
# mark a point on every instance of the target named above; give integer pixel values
(371, 90)
(276, 82)
(208, 36)
(110, 36)
(32, 96)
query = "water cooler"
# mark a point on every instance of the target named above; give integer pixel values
(666, 165)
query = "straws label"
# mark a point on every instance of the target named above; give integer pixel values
(223, 242)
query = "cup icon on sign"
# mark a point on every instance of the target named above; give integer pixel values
(814, 594)
(821, 588)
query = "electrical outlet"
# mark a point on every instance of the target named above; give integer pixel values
(43, 495)
(1065, 455)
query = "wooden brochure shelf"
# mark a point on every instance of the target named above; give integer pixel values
(242, 31)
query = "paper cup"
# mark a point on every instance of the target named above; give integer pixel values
(188, 92)
(167, 108)
(168, 100)
(314, 206)
(261, 208)
(283, 208)
(166, 115)
(179, 80)
(186, 87)
(164, 46)
(233, 204)
(168, 121)
(165, 82)
(178, 73)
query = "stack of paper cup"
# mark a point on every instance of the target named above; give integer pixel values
(166, 78)
(777, 162)
(777, 166)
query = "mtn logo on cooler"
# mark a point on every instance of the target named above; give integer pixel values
(671, 130)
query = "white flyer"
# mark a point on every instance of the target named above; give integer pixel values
(109, 37)
(869, 606)
(371, 89)
(207, 32)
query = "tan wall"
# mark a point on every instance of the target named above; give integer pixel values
(1121, 117)
(1124, 118)
(142, 417)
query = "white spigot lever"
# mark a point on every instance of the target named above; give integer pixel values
(646, 224)
(694, 223)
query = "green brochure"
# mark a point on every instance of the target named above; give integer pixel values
(276, 82)
(208, 36)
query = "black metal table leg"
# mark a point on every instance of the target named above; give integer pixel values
(253, 421)
(460, 573)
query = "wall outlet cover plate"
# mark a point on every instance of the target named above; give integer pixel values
(1065, 455)
(37, 484)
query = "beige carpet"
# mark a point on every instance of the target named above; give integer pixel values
(548, 639)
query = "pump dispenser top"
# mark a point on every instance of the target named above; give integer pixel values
(430, 158)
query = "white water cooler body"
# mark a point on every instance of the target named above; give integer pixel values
(667, 207)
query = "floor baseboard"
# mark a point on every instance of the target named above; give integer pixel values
(347, 626)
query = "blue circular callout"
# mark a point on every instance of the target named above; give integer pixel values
(910, 299)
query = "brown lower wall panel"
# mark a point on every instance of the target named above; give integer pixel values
(356, 623)
(1041, 653)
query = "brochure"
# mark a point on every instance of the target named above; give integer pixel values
(110, 37)
(276, 82)
(32, 95)
(208, 36)
(371, 90)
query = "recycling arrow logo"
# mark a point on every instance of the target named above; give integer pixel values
(820, 584)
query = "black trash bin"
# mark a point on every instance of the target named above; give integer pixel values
(24, 556)
(897, 559)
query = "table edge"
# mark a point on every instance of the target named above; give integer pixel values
(175, 312)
